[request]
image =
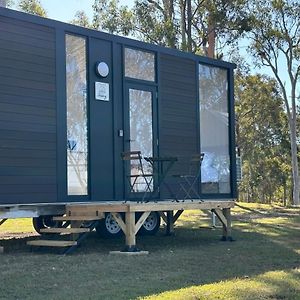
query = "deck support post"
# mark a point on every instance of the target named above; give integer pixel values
(130, 232)
(224, 216)
(227, 229)
(170, 222)
(75, 224)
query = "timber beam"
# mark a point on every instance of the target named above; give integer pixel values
(130, 228)
(3, 221)
(169, 218)
(224, 215)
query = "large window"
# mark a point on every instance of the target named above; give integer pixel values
(77, 141)
(139, 64)
(214, 130)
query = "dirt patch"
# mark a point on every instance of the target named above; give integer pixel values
(16, 235)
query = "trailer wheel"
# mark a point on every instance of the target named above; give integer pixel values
(43, 222)
(151, 224)
(108, 227)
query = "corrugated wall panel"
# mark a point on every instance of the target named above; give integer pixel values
(27, 113)
(178, 110)
(178, 120)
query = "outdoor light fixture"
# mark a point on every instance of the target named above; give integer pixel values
(102, 69)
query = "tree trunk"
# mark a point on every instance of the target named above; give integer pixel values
(295, 169)
(211, 37)
(189, 25)
(284, 194)
(211, 44)
(183, 24)
(169, 21)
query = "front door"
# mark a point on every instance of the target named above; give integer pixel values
(140, 134)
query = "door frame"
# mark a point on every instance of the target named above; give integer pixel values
(126, 125)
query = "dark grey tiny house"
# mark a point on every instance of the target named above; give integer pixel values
(73, 99)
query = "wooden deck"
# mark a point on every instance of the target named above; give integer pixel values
(170, 211)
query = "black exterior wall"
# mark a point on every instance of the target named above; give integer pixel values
(33, 110)
(27, 112)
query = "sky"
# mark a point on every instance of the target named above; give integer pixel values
(64, 10)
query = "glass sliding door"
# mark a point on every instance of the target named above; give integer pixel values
(77, 139)
(214, 130)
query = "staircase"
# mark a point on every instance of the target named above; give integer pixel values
(73, 230)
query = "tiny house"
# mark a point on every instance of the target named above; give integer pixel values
(73, 99)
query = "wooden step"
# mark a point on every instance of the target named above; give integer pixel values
(51, 243)
(78, 218)
(65, 230)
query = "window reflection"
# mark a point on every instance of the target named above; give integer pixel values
(77, 143)
(214, 131)
(139, 64)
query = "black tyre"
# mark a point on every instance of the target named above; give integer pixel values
(108, 227)
(43, 222)
(151, 224)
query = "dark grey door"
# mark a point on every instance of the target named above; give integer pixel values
(140, 132)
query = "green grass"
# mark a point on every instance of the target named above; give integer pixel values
(17, 226)
(263, 263)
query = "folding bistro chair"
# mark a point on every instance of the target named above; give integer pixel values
(188, 182)
(137, 175)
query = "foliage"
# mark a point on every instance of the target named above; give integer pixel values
(262, 136)
(183, 24)
(275, 40)
(187, 24)
(81, 19)
(111, 17)
(9, 3)
(32, 7)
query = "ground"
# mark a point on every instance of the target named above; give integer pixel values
(263, 262)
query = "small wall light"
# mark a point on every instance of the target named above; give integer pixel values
(102, 69)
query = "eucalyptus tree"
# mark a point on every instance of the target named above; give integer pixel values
(32, 7)
(81, 19)
(262, 136)
(275, 43)
(190, 25)
(112, 17)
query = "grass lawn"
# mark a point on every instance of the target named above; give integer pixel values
(263, 262)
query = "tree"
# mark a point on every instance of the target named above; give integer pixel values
(262, 136)
(32, 7)
(6, 3)
(81, 19)
(189, 25)
(111, 17)
(155, 22)
(275, 38)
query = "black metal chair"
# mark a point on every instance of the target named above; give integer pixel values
(188, 182)
(136, 164)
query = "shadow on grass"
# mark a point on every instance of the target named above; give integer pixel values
(249, 209)
(193, 257)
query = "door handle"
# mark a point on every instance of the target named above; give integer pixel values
(129, 141)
